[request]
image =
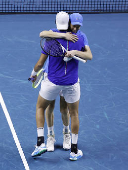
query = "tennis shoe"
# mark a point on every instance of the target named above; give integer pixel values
(74, 157)
(39, 150)
(66, 141)
(50, 143)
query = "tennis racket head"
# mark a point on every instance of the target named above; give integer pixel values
(52, 47)
(40, 76)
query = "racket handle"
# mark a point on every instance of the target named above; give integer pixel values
(30, 78)
(80, 59)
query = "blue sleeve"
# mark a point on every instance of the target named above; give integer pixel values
(43, 52)
(85, 40)
(84, 37)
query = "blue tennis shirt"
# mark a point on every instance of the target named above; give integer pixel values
(82, 35)
(57, 66)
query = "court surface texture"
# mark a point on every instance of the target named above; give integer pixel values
(103, 110)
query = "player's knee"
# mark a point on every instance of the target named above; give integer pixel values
(64, 110)
(51, 106)
(73, 113)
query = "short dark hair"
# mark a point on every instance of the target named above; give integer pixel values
(69, 23)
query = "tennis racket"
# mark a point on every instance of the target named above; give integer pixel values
(40, 76)
(54, 48)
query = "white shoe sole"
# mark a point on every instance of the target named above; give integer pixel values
(66, 148)
(50, 150)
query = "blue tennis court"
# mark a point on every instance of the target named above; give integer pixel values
(103, 134)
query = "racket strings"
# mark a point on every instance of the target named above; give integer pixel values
(38, 79)
(51, 47)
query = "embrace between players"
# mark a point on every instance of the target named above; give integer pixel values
(61, 78)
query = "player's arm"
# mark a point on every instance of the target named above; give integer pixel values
(86, 55)
(38, 65)
(68, 35)
(40, 62)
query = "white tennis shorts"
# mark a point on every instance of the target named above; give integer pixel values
(50, 91)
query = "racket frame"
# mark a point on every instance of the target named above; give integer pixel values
(36, 84)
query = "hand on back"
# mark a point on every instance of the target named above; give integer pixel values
(71, 37)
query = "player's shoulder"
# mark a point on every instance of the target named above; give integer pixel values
(82, 34)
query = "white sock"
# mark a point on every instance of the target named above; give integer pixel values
(74, 138)
(51, 130)
(66, 129)
(40, 131)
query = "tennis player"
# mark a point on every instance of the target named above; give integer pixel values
(75, 22)
(57, 82)
(63, 105)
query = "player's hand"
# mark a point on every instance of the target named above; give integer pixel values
(70, 53)
(33, 78)
(71, 37)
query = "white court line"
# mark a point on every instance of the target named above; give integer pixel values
(14, 133)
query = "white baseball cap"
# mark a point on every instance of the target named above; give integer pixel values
(62, 19)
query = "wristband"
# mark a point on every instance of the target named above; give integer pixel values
(33, 73)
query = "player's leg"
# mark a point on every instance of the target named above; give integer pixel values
(64, 113)
(65, 118)
(40, 119)
(50, 117)
(50, 125)
(47, 94)
(73, 110)
(72, 96)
